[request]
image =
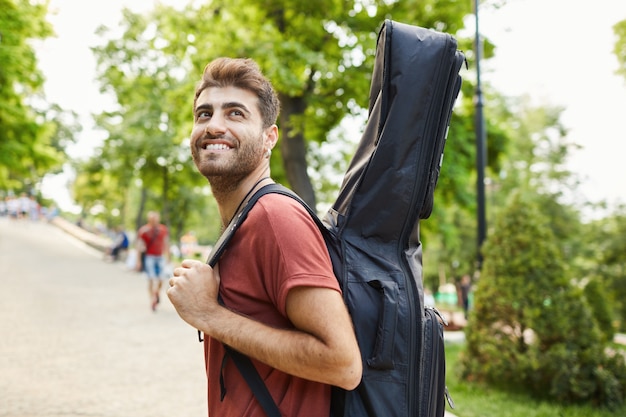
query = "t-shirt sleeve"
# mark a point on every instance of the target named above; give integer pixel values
(292, 247)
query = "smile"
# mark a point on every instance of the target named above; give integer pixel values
(216, 147)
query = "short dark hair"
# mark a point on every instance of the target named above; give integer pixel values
(242, 73)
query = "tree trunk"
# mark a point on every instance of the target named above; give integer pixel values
(142, 205)
(166, 205)
(293, 149)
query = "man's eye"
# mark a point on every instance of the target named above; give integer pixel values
(236, 112)
(204, 114)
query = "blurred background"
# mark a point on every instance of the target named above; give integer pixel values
(95, 113)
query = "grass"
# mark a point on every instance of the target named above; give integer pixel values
(477, 400)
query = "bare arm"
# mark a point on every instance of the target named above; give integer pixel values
(322, 348)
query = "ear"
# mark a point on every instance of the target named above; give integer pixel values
(271, 137)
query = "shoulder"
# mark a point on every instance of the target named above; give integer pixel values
(279, 221)
(281, 210)
(279, 199)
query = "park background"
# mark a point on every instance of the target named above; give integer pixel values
(554, 100)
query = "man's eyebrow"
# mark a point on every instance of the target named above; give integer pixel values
(204, 107)
(227, 105)
(232, 104)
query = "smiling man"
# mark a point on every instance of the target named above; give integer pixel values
(282, 305)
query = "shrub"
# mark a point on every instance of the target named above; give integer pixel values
(530, 328)
(601, 307)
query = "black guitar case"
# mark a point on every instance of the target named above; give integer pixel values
(387, 189)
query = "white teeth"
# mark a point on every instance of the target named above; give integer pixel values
(216, 146)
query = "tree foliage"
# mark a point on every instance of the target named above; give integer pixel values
(449, 235)
(601, 304)
(32, 134)
(145, 153)
(536, 158)
(607, 262)
(319, 55)
(530, 327)
(619, 48)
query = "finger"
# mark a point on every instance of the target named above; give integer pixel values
(190, 263)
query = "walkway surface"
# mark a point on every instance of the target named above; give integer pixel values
(79, 338)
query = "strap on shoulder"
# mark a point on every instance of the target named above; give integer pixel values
(227, 235)
(242, 362)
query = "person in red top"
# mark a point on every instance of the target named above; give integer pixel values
(154, 238)
(282, 305)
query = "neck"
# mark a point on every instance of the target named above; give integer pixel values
(230, 195)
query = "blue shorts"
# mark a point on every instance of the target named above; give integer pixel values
(154, 267)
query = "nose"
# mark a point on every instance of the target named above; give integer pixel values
(216, 125)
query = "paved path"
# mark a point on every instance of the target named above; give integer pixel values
(77, 336)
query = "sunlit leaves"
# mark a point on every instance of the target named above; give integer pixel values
(29, 145)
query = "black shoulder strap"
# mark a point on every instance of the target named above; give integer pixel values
(222, 242)
(255, 382)
(242, 362)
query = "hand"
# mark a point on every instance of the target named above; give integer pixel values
(193, 291)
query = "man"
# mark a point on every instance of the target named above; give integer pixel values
(120, 244)
(154, 240)
(282, 303)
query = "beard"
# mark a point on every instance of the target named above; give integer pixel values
(226, 170)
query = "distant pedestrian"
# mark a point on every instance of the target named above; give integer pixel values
(154, 237)
(13, 207)
(24, 206)
(120, 244)
(34, 208)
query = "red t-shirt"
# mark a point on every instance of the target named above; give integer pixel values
(278, 247)
(154, 238)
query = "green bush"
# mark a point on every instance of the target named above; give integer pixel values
(483, 400)
(601, 307)
(530, 328)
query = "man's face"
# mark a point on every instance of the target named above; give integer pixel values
(227, 137)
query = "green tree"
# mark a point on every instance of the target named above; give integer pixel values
(449, 235)
(601, 307)
(146, 148)
(608, 260)
(320, 63)
(619, 48)
(31, 140)
(529, 303)
(604, 245)
(535, 158)
(318, 55)
(530, 327)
